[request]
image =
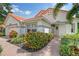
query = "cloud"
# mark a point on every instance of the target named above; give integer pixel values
(16, 9)
(15, 6)
(64, 8)
(27, 12)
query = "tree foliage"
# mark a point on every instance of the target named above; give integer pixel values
(3, 12)
(74, 11)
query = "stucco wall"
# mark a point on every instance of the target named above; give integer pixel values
(23, 31)
(43, 23)
(62, 29)
(66, 28)
(60, 17)
(42, 29)
(9, 29)
(9, 21)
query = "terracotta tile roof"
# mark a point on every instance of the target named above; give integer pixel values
(41, 13)
(49, 10)
(19, 18)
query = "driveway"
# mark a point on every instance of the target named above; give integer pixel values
(52, 49)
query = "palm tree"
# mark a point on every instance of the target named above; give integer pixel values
(70, 14)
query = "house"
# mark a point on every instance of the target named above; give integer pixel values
(42, 23)
(60, 24)
(23, 25)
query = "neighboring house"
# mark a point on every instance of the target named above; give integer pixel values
(42, 23)
(60, 24)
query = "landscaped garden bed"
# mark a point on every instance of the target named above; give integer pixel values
(36, 40)
(32, 41)
(69, 45)
(17, 40)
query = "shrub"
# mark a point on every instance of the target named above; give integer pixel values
(36, 40)
(13, 34)
(1, 34)
(17, 40)
(69, 45)
(1, 49)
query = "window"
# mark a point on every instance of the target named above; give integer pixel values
(72, 27)
(46, 30)
(10, 24)
(28, 30)
(31, 27)
(33, 30)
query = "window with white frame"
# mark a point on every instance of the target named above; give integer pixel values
(46, 30)
(73, 27)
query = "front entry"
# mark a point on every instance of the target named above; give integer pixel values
(56, 30)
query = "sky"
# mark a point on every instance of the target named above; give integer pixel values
(29, 10)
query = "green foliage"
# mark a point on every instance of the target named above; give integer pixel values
(77, 15)
(13, 34)
(1, 49)
(69, 45)
(71, 36)
(36, 40)
(77, 27)
(74, 11)
(1, 34)
(57, 8)
(3, 12)
(17, 40)
(71, 13)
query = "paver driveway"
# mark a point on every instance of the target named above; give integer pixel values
(52, 49)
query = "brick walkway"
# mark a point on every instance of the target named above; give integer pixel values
(52, 49)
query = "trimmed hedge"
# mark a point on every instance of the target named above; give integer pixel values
(69, 45)
(36, 40)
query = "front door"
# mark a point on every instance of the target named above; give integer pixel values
(56, 31)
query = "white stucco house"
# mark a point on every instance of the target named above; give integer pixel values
(42, 23)
(22, 25)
